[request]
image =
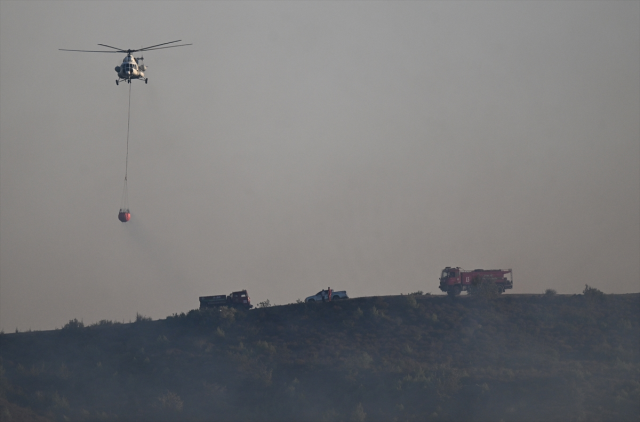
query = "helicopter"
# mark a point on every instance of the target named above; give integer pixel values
(131, 67)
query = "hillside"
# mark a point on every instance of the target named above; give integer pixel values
(415, 357)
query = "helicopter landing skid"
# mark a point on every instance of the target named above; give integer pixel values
(146, 80)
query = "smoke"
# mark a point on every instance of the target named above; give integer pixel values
(299, 146)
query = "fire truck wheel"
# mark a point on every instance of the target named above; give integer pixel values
(454, 291)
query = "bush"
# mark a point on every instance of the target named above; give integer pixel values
(170, 402)
(73, 324)
(228, 313)
(358, 414)
(59, 402)
(411, 301)
(266, 347)
(104, 323)
(264, 304)
(142, 318)
(550, 292)
(592, 293)
(358, 361)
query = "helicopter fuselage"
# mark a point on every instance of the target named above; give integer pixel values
(130, 69)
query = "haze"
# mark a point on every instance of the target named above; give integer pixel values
(300, 145)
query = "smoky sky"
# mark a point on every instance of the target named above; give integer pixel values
(300, 145)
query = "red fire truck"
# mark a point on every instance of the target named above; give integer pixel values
(455, 280)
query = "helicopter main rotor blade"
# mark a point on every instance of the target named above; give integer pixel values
(160, 48)
(157, 45)
(115, 48)
(93, 51)
(120, 50)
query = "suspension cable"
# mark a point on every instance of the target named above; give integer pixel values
(124, 202)
(126, 165)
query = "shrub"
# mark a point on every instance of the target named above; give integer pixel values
(228, 313)
(73, 324)
(171, 402)
(142, 318)
(358, 313)
(264, 304)
(358, 414)
(374, 312)
(411, 301)
(59, 402)
(266, 347)
(550, 292)
(103, 323)
(447, 379)
(358, 361)
(592, 293)
(4, 382)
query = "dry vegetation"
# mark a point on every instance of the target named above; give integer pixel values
(414, 357)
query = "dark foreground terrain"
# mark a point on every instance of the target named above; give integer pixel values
(416, 358)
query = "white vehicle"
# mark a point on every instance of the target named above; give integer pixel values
(323, 296)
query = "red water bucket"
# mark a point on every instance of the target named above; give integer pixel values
(124, 216)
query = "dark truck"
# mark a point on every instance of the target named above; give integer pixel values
(236, 299)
